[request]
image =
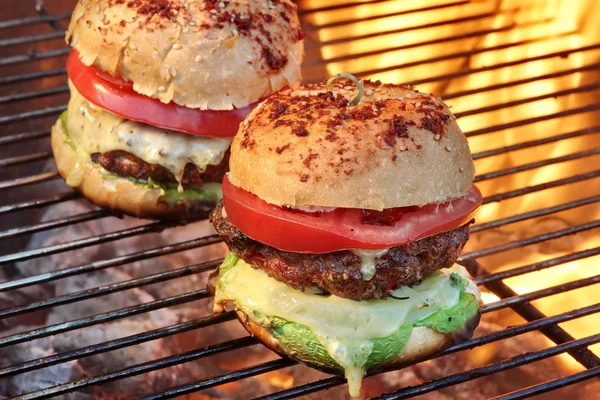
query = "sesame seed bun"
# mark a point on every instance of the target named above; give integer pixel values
(119, 194)
(398, 147)
(199, 54)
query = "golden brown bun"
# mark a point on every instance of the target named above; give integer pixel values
(423, 342)
(182, 51)
(396, 148)
(117, 194)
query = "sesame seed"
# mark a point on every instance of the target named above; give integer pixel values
(198, 59)
(403, 147)
(202, 7)
(198, 42)
(369, 92)
(161, 89)
(235, 31)
(155, 52)
(185, 30)
(213, 11)
(192, 23)
(448, 148)
(177, 46)
(437, 137)
(172, 71)
(97, 8)
(221, 4)
(132, 46)
(461, 169)
(103, 17)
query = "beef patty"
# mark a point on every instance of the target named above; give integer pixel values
(339, 272)
(125, 164)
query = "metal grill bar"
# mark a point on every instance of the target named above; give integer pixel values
(529, 241)
(116, 344)
(484, 280)
(29, 180)
(9, 162)
(31, 95)
(551, 385)
(15, 23)
(108, 289)
(539, 142)
(158, 364)
(32, 114)
(57, 223)
(540, 187)
(33, 56)
(490, 369)
(21, 137)
(31, 76)
(154, 227)
(32, 38)
(47, 201)
(101, 318)
(534, 214)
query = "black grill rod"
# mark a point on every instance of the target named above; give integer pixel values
(537, 164)
(109, 289)
(111, 262)
(34, 56)
(513, 362)
(21, 137)
(522, 306)
(529, 241)
(29, 180)
(445, 57)
(9, 162)
(159, 364)
(393, 14)
(537, 142)
(32, 38)
(115, 344)
(542, 186)
(528, 121)
(454, 75)
(153, 227)
(17, 23)
(578, 89)
(550, 385)
(41, 10)
(579, 255)
(534, 214)
(47, 201)
(31, 76)
(102, 318)
(55, 223)
(33, 94)
(303, 11)
(5, 119)
(467, 92)
(509, 332)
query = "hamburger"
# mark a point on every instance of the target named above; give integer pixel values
(344, 214)
(158, 89)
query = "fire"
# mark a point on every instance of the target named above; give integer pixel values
(453, 38)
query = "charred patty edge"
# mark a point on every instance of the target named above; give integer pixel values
(339, 272)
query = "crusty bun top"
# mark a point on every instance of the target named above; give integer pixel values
(308, 147)
(203, 54)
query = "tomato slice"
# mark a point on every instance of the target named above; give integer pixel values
(342, 228)
(117, 96)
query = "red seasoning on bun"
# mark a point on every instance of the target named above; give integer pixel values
(345, 213)
(158, 89)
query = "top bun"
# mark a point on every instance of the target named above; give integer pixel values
(202, 54)
(308, 147)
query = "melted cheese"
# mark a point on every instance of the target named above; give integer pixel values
(94, 130)
(345, 328)
(368, 259)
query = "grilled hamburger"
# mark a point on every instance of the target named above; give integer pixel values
(158, 89)
(345, 216)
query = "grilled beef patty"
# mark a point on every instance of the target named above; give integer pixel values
(125, 164)
(339, 272)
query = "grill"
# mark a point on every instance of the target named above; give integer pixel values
(524, 81)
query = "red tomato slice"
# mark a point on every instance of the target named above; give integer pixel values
(117, 96)
(342, 228)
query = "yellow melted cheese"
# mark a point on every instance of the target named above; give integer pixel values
(345, 328)
(94, 130)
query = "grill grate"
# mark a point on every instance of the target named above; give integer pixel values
(473, 69)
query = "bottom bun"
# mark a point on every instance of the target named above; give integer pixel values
(423, 343)
(119, 194)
